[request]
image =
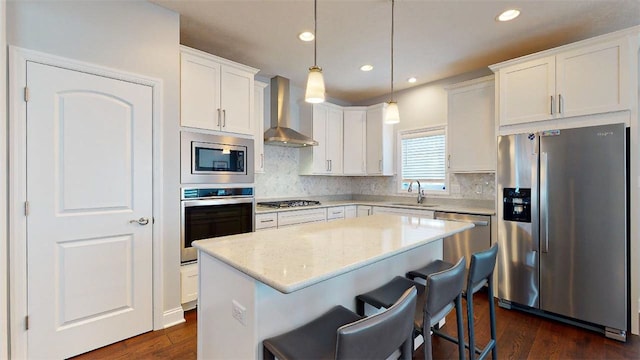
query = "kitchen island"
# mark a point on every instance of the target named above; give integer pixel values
(256, 285)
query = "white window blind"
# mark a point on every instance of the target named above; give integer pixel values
(424, 158)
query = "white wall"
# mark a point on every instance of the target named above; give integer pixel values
(131, 36)
(4, 310)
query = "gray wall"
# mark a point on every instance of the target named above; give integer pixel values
(132, 36)
(4, 246)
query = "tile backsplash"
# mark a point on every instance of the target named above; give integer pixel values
(281, 180)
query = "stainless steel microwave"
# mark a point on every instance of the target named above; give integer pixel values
(215, 159)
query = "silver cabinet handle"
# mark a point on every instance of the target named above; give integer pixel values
(218, 117)
(327, 165)
(551, 109)
(224, 118)
(141, 221)
(330, 165)
(449, 161)
(266, 221)
(261, 161)
(560, 104)
(379, 165)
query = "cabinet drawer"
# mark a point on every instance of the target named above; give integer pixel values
(287, 218)
(266, 221)
(335, 213)
(189, 282)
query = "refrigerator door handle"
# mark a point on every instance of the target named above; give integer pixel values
(544, 202)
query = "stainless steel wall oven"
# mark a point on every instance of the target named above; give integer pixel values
(212, 212)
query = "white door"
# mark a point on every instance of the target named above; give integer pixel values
(89, 174)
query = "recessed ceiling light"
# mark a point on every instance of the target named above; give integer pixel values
(412, 79)
(366, 67)
(508, 15)
(306, 36)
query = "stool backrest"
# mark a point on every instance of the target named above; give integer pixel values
(379, 335)
(442, 289)
(481, 268)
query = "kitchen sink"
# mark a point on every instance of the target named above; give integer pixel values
(415, 205)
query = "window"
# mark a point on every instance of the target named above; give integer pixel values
(423, 158)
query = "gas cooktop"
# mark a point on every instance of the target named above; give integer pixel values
(288, 203)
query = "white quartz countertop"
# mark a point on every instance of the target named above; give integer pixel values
(292, 258)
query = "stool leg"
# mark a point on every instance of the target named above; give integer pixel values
(492, 317)
(460, 327)
(359, 307)
(472, 344)
(426, 335)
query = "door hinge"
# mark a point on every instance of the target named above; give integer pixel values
(26, 208)
(26, 94)
(26, 322)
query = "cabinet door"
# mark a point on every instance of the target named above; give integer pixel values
(350, 211)
(363, 210)
(335, 141)
(355, 132)
(590, 80)
(320, 119)
(471, 128)
(236, 100)
(527, 91)
(379, 143)
(199, 92)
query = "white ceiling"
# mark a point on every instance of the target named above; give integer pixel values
(433, 39)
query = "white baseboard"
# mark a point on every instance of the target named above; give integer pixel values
(173, 317)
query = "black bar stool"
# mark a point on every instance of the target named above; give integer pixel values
(342, 334)
(480, 273)
(442, 293)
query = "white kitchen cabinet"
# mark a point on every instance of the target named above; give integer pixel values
(215, 93)
(585, 78)
(189, 283)
(355, 134)
(364, 210)
(471, 126)
(266, 221)
(335, 213)
(379, 142)
(350, 211)
(429, 214)
(258, 115)
(296, 217)
(327, 130)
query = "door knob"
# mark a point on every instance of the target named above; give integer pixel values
(141, 221)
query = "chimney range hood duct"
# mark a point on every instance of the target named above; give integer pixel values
(280, 133)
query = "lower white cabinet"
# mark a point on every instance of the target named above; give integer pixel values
(350, 211)
(189, 283)
(289, 218)
(364, 210)
(266, 221)
(335, 213)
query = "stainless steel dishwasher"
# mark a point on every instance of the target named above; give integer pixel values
(467, 242)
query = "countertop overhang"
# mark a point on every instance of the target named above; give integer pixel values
(292, 258)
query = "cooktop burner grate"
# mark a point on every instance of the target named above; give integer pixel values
(289, 203)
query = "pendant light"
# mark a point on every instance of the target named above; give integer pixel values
(392, 115)
(315, 82)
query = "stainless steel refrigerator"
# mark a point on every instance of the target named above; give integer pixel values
(562, 226)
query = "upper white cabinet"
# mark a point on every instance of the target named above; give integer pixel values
(215, 93)
(585, 78)
(471, 126)
(379, 142)
(355, 133)
(258, 116)
(327, 130)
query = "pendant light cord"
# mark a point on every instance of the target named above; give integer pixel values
(315, 33)
(392, 27)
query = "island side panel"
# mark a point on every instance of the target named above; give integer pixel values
(220, 335)
(277, 312)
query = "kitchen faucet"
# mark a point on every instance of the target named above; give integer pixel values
(420, 198)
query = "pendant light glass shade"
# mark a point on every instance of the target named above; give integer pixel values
(392, 115)
(315, 82)
(315, 86)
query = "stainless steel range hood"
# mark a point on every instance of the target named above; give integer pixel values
(280, 133)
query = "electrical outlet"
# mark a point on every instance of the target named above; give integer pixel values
(478, 188)
(239, 312)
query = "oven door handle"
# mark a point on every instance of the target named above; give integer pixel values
(209, 202)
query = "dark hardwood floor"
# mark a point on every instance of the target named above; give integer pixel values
(520, 336)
